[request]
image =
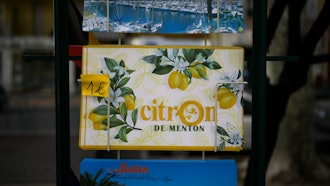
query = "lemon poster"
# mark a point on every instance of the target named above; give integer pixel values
(162, 98)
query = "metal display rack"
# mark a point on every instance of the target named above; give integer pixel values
(61, 57)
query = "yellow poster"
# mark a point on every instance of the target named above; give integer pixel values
(164, 98)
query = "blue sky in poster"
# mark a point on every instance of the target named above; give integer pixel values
(149, 16)
(165, 172)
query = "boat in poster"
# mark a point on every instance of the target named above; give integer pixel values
(164, 16)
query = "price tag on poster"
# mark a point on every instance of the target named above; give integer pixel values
(95, 85)
(164, 98)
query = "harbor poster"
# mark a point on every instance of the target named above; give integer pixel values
(162, 98)
(165, 16)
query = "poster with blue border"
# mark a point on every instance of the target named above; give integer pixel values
(158, 172)
(165, 16)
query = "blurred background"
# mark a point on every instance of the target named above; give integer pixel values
(27, 95)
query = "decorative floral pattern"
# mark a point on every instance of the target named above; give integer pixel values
(122, 101)
(229, 135)
(183, 65)
(227, 92)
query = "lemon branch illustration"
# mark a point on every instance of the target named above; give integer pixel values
(183, 65)
(227, 93)
(122, 102)
(231, 136)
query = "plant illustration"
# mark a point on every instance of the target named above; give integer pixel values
(87, 179)
(227, 92)
(230, 136)
(122, 102)
(182, 65)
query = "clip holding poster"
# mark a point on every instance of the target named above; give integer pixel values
(164, 98)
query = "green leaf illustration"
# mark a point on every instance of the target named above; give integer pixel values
(163, 51)
(134, 116)
(123, 110)
(101, 110)
(175, 52)
(189, 54)
(187, 73)
(113, 82)
(122, 134)
(123, 82)
(201, 72)
(161, 70)
(222, 145)
(125, 91)
(207, 52)
(122, 63)
(130, 71)
(222, 131)
(212, 65)
(114, 122)
(152, 59)
(239, 74)
(113, 110)
(110, 63)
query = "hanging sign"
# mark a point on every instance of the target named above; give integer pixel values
(158, 172)
(163, 98)
(167, 17)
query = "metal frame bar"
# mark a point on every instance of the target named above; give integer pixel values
(258, 152)
(61, 19)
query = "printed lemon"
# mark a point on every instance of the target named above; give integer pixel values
(96, 117)
(184, 82)
(221, 92)
(175, 79)
(99, 126)
(240, 29)
(194, 71)
(130, 102)
(227, 101)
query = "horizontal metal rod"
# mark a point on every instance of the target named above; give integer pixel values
(33, 57)
(277, 58)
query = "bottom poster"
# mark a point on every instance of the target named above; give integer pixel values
(158, 172)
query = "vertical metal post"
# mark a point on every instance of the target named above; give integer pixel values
(61, 19)
(258, 155)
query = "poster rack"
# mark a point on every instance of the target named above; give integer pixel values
(61, 57)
